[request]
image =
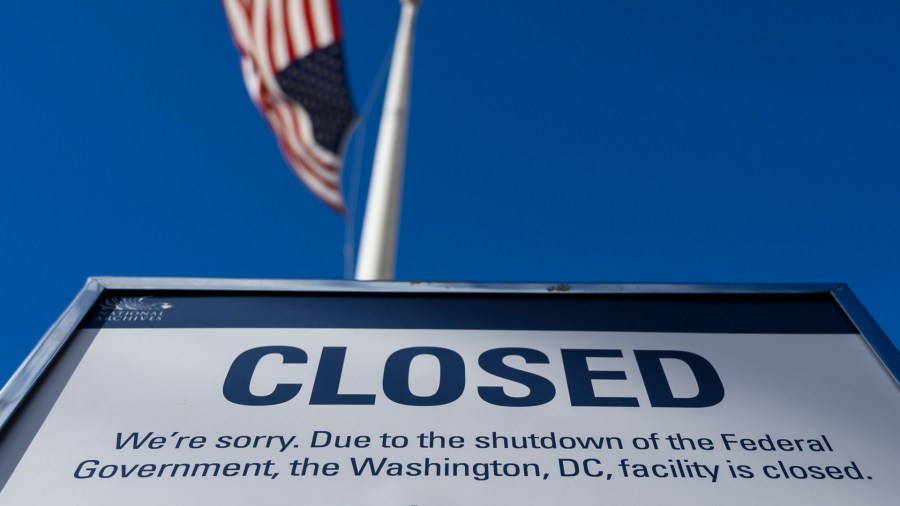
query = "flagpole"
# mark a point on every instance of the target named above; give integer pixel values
(378, 244)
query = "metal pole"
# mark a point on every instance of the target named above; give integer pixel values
(378, 244)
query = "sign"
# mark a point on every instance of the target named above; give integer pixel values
(232, 393)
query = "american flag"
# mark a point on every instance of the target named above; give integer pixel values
(293, 66)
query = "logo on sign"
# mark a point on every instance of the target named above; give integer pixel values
(133, 309)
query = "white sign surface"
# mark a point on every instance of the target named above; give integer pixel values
(145, 420)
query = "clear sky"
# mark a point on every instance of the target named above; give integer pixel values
(581, 141)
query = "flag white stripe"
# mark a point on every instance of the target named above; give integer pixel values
(240, 26)
(329, 171)
(329, 195)
(297, 24)
(251, 79)
(306, 130)
(298, 145)
(283, 125)
(321, 11)
(279, 48)
(266, 72)
(305, 172)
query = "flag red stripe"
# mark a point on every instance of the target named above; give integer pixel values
(287, 30)
(294, 161)
(296, 124)
(284, 128)
(293, 158)
(336, 21)
(310, 25)
(269, 39)
(294, 132)
(248, 8)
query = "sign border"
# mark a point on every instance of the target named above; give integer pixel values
(29, 373)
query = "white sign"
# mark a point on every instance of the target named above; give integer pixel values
(231, 416)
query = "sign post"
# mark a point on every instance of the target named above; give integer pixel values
(175, 391)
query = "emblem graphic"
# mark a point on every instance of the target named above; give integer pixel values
(132, 309)
(133, 304)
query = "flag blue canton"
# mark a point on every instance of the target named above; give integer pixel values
(317, 83)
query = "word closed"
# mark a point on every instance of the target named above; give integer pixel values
(580, 378)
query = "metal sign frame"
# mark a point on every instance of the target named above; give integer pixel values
(24, 379)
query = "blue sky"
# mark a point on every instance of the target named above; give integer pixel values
(602, 141)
